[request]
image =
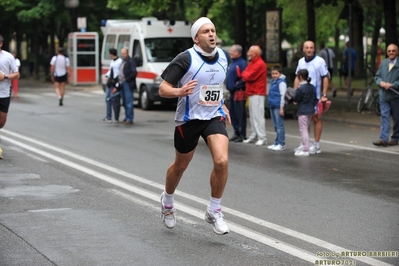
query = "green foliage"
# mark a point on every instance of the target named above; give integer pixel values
(10, 5)
(295, 19)
(42, 10)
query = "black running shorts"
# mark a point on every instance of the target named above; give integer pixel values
(4, 104)
(61, 79)
(187, 135)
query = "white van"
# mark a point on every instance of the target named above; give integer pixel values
(153, 44)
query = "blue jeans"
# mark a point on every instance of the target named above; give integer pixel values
(241, 116)
(127, 97)
(234, 120)
(114, 103)
(278, 123)
(389, 108)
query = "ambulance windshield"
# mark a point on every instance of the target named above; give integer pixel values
(165, 49)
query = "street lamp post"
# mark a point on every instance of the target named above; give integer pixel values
(73, 6)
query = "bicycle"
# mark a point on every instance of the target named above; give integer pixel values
(369, 98)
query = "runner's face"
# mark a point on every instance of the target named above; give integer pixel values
(206, 38)
(308, 49)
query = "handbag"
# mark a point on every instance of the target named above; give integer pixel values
(111, 80)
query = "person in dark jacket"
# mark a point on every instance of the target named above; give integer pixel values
(387, 78)
(305, 98)
(126, 84)
(236, 87)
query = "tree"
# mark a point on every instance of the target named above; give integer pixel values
(390, 22)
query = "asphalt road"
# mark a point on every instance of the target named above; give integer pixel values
(78, 191)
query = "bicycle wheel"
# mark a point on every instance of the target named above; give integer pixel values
(369, 100)
(361, 102)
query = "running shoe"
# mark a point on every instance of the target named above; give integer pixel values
(313, 149)
(168, 215)
(278, 147)
(216, 218)
(270, 147)
(261, 142)
(301, 153)
(248, 140)
(299, 148)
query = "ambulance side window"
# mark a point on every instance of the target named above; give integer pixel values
(109, 43)
(123, 42)
(137, 53)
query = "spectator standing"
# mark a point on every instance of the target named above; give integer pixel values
(305, 98)
(276, 101)
(345, 63)
(255, 76)
(197, 77)
(126, 84)
(387, 78)
(15, 82)
(236, 87)
(8, 72)
(318, 73)
(60, 72)
(112, 78)
(329, 56)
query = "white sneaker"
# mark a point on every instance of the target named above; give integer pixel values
(168, 215)
(248, 140)
(279, 147)
(313, 149)
(216, 218)
(299, 148)
(261, 142)
(270, 147)
(301, 153)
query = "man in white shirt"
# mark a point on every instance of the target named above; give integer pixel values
(60, 71)
(112, 79)
(8, 71)
(318, 72)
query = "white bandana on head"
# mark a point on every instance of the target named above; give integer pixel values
(194, 30)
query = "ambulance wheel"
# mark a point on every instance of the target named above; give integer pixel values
(145, 102)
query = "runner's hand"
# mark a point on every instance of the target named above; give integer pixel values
(187, 89)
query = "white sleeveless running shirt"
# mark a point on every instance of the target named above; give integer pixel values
(207, 99)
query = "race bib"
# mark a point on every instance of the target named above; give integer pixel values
(210, 95)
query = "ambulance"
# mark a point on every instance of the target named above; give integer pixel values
(153, 44)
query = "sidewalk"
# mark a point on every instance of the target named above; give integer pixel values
(339, 110)
(344, 110)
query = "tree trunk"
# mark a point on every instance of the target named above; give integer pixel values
(374, 41)
(391, 35)
(240, 34)
(357, 34)
(311, 20)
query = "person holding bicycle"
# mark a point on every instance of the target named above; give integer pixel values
(387, 78)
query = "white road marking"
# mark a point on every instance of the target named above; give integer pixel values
(287, 248)
(349, 146)
(50, 210)
(24, 95)
(98, 92)
(79, 94)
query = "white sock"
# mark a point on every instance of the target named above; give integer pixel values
(168, 199)
(316, 144)
(215, 204)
